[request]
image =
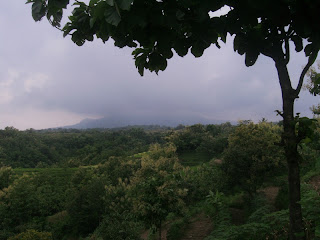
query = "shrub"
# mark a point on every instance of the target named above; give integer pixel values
(32, 235)
(176, 229)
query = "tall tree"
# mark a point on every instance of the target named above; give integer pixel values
(156, 187)
(313, 86)
(156, 27)
(252, 156)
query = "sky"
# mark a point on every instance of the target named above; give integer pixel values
(47, 81)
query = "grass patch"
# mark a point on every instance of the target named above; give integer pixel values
(194, 158)
(63, 172)
(140, 155)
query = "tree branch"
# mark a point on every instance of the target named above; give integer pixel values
(50, 21)
(287, 50)
(279, 113)
(312, 58)
(267, 52)
(290, 31)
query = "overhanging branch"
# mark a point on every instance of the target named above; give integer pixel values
(312, 58)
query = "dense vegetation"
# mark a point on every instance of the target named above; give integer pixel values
(155, 28)
(69, 148)
(116, 184)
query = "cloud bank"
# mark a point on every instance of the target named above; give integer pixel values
(47, 81)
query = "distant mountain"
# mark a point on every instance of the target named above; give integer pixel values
(124, 121)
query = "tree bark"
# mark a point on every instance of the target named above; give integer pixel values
(160, 231)
(289, 138)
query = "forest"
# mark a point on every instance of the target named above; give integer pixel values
(158, 191)
(154, 182)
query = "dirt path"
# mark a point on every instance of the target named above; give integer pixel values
(164, 231)
(271, 193)
(315, 182)
(200, 227)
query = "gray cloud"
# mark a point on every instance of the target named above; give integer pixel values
(47, 81)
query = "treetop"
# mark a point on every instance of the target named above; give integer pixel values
(156, 27)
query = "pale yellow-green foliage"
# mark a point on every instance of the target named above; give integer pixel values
(6, 174)
(32, 235)
(253, 154)
(260, 139)
(155, 187)
(312, 75)
(58, 217)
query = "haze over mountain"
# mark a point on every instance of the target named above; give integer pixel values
(123, 120)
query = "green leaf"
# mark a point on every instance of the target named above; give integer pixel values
(67, 29)
(317, 231)
(305, 127)
(236, 43)
(59, 4)
(77, 38)
(138, 51)
(251, 58)
(180, 15)
(140, 63)
(199, 47)
(99, 10)
(315, 90)
(180, 48)
(92, 21)
(104, 31)
(140, 57)
(38, 10)
(117, 8)
(57, 17)
(93, 2)
(308, 49)
(240, 44)
(124, 4)
(197, 51)
(110, 2)
(157, 62)
(167, 53)
(223, 37)
(112, 16)
(306, 140)
(297, 42)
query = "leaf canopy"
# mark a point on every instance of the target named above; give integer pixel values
(156, 27)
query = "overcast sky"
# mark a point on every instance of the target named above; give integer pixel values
(48, 81)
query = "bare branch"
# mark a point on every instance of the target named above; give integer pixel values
(287, 51)
(290, 31)
(285, 35)
(312, 58)
(279, 113)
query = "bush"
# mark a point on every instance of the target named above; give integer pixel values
(282, 199)
(118, 227)
(268, 226)
(176, 229)
(6, 174)
(32, 235)
(252, 156)
(310, 201)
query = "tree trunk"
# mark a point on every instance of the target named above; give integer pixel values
(291, 152)
(160, 231)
